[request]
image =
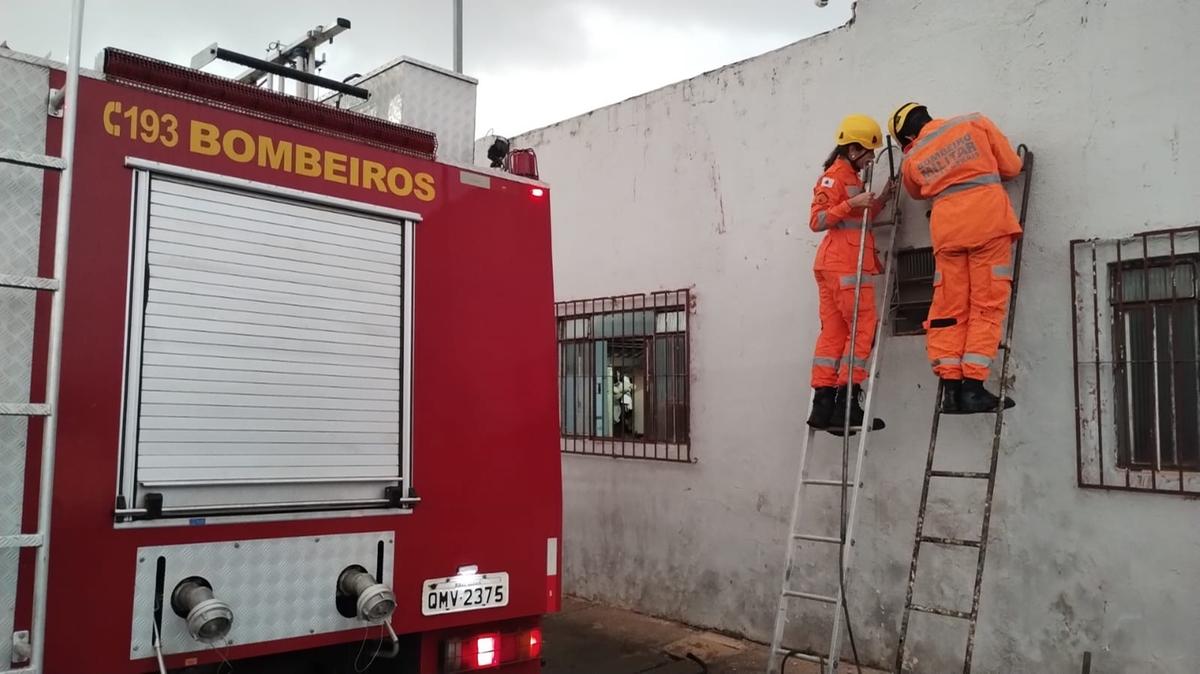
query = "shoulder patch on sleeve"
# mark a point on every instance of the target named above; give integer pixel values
(826, 181)
(822, 199)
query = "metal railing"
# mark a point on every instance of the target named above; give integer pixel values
(1136, 334)
(624, 376)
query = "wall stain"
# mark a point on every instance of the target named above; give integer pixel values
(715, 178)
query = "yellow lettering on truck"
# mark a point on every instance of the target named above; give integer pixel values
(404, 186)
(204, 138)
(424, 190)
(243, 147)
(308, 161)
(335, 167)
(238, 146)
(276, 155)
(373, 174)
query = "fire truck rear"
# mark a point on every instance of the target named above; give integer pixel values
(306, 417)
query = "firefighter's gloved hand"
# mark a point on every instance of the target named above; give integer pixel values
(889, 190)
(861, 200)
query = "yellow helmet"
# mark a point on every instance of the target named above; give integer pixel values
(899, 117)
(859, 129)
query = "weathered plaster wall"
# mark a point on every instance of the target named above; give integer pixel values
(707, 182)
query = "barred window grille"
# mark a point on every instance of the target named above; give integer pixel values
(623, 376)
(914, 291)
(1154, 328)
(1137, 361)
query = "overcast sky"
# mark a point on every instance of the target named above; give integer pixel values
(537, 61)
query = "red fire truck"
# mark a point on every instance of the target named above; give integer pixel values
(306, 417)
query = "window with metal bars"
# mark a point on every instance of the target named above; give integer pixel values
(1155, 350)
(914, 291)
(623, 376)
(1136, 334)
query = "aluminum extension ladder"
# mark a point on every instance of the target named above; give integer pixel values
(40, 540)
(980, 543)
(845, 540)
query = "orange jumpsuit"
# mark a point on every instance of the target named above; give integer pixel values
(959, 163)
(835, 268)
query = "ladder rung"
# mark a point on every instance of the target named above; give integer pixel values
(829, 483)
(28, 282)
(949, 613)
(24, 410)
(21, 541)
(32, 159)
(960, 473)
(810, 596)
(801, 656)
(950, 541)
(816, 539)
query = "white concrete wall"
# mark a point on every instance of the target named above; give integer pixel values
(706, 183)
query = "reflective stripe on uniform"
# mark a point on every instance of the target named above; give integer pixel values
(849, 281)
(945, 361)
(850, 223)
(1002, 271)
(950, 124)
(860, 362)
(937, 276)
(852, 190)
(977, 359)
(821, 221)
(821, 361)
(977, 181)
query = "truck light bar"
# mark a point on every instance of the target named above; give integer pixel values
(174, 80)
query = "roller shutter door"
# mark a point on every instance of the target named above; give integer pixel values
(271, 350)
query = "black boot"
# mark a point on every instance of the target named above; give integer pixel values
(824, 399)
(839, 410)
(951, 390)
(974, 399)
(837, 425)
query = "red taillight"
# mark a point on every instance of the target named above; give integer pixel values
(537, 192)
(487, 651)
(490, 650)
(535, 643)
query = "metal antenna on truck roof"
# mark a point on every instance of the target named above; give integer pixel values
(980, 544)
(779, 654)
(61, 102)
(297, 61)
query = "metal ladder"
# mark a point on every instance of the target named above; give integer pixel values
(47, 410)
(980, 543)
(845, 539)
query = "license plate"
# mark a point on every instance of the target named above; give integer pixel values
(464, 593)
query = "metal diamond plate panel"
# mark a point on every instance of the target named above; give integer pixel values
(24, 89)
(8, 586)
(427, 97)
(277, 587)
(32, 160)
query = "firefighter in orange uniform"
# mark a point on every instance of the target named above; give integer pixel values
(959, 163)
(839, 202)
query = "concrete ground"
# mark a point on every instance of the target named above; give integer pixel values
(589, 638)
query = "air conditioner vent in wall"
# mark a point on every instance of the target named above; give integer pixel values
(914, 290)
